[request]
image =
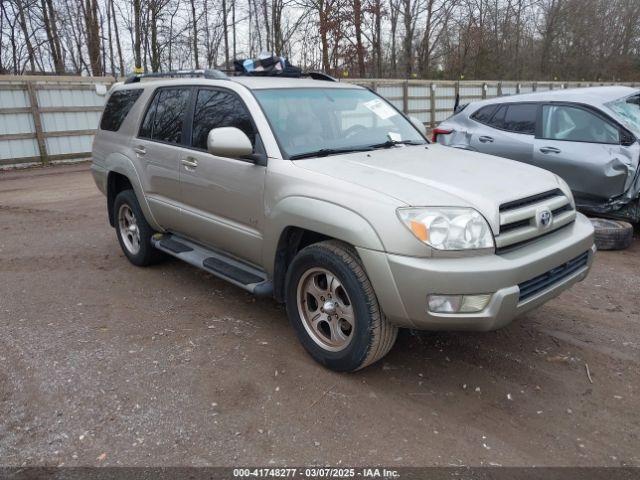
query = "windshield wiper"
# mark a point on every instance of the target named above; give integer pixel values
(324, 152)
(393, 143)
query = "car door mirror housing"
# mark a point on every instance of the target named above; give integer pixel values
(626, 138)
(229, 142)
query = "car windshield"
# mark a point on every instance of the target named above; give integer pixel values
(333, 120)
(627, 111)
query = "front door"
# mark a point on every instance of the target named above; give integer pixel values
(584, 149)
(222, 198)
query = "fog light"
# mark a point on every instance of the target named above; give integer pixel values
(458, 303)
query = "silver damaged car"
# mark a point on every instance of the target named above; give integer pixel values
(587, 136)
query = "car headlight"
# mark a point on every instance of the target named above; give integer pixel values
(448, 228)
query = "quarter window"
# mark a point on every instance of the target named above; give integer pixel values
(119, 105)
(563, 122)
(215, 109)
(164, 119)
(484, 114)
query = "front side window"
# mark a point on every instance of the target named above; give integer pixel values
(215, 109)
(118, 107)
(563, 122)
(308, 120)
(164, 119)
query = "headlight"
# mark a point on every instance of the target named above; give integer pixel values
(448, 228)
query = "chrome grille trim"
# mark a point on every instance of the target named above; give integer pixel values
(518, 222)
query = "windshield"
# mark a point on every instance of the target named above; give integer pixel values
(331, 120)
(627, 111)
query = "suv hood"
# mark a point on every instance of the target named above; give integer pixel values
(434, 175)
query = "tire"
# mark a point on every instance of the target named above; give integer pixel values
(351, 331)
(136, 240)
(612, 234)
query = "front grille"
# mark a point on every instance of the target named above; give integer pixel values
(523, 202)
(540, 283)
(518, 222)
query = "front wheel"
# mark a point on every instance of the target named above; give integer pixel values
(333, 308)
(134, 233)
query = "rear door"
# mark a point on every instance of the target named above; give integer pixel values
(158, 146)
(583, 147)
(508, 131)
(222, 198)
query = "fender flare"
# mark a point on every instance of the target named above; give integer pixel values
(119, 163)
(317, 216)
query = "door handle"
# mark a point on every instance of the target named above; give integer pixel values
(547, 150)
(140, 151)
(189, 163)
(486, 139)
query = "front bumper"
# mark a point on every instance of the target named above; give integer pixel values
(402, 283)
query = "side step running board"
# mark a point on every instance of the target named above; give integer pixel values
(215, 262)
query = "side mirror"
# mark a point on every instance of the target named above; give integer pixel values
(418, 124)
(229, 142)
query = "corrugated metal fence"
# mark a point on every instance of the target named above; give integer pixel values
(45, 119)
(48, 119)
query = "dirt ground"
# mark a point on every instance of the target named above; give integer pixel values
(104, 363)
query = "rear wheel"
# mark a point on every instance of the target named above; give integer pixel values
(134, 233)
(333, 308)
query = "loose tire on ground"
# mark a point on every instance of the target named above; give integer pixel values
(349, 307)
(133, 231)
(612, 234)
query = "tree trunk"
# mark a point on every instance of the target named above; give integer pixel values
(117, 38)
(27, 36)
(357, 23)
(195, 34)
(137, 30)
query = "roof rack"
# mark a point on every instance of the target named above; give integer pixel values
(206, 73)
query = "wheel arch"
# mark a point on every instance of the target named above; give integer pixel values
(301, 221)
(121, 174)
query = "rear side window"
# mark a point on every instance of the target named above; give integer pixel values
(518, 118)
(164, 119)
(521, 118)
(119, 105)
(484, 114)
(215, 109)
(498, 117)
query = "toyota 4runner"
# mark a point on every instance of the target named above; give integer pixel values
(324, 196)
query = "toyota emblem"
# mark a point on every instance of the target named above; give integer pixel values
(544, 218)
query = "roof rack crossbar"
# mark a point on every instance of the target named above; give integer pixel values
(206, 73)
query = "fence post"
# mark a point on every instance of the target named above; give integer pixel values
(518, 87)
(499, 89)
(534, 86)
(405, 97)
(484, 91)
(37, 121)
(432, 106)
